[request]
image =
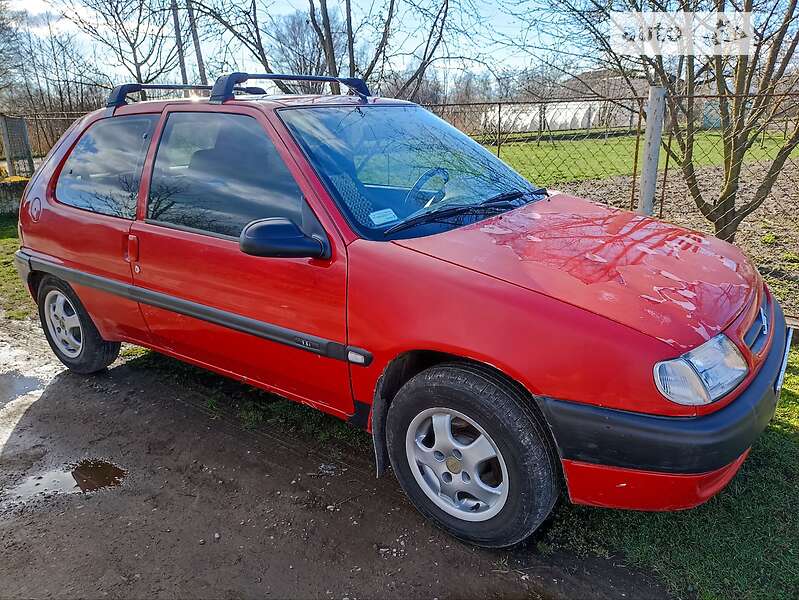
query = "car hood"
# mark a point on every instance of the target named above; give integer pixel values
(679, 286)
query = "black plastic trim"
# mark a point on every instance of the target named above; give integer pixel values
(226, 84)
(360, 418)
(670, 444)
(23, 265)
(268, 331)
(118, 96)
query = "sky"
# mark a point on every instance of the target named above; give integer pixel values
(471, 46)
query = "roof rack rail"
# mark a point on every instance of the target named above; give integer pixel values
(225, 84)
(118, 95)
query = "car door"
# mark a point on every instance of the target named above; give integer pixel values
(90, 209)
(276, 322)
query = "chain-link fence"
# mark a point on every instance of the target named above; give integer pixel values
(738, 180)
(44, 129)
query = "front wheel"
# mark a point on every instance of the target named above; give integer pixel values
(471, 455)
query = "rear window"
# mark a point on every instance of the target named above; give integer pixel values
(103, 171)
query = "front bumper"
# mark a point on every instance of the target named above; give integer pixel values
(622, 459)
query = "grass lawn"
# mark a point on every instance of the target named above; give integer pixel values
(15, 302)
(551, 162)
(742, 544)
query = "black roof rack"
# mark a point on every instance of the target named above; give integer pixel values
(226, 84)
(118, 95)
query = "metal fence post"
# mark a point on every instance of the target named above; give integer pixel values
(10, 170)
(499, 126)
(655, 110)
(26, 140)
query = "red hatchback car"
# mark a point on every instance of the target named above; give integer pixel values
(503, 344)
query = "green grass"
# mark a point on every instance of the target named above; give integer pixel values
(744, 543)
(15, 301)
(562, 160)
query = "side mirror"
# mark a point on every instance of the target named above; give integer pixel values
(280, 238)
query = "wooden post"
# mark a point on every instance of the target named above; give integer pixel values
(665, 175)
(655, 110)
(637, 150)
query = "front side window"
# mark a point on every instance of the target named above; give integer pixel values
(103, 170)
(386, 164)
(217, 172)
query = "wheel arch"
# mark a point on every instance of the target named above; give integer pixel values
(410, 363)
(34, 281)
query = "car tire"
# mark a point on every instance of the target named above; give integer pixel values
(70, 330)
(505, 497)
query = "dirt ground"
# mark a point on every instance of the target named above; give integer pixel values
(208, 508)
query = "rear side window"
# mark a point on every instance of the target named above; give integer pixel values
(103, 171)
(217, 172)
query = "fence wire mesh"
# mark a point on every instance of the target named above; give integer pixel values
(593, 148)
(45, 129)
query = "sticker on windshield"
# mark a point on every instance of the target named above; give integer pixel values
(381, 217)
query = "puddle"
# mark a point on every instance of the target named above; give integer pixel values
(13, 385)
(86, 476)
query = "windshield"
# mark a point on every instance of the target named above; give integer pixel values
(386, 164)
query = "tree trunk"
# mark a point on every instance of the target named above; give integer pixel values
(179, 43)
(724, 221)
(197, 48)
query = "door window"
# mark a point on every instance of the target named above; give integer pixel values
(103, 170)
(216, 172)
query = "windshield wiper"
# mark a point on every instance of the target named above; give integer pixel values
(450, 211)
(503, 201)
(512, 195)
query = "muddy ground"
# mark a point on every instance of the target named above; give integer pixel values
(207, 507)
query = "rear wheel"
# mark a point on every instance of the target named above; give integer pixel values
(70, 331)
(471, 455)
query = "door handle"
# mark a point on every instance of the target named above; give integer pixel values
(132, 251)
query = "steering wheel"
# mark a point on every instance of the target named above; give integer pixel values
(427, 176)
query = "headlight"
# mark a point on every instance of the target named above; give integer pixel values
(702, 375)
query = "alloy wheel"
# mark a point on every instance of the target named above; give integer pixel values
(63, 323)
(457, 464)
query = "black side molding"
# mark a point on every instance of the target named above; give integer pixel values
(262, 329)
(670, 444)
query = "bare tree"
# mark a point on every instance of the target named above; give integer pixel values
(52, 73)
(134, 32)
(374, 41)
(747, 88)
(54, 80)
(179, 41)
(195, 37)
(7, 39)
(241, 22)
(294, 47)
